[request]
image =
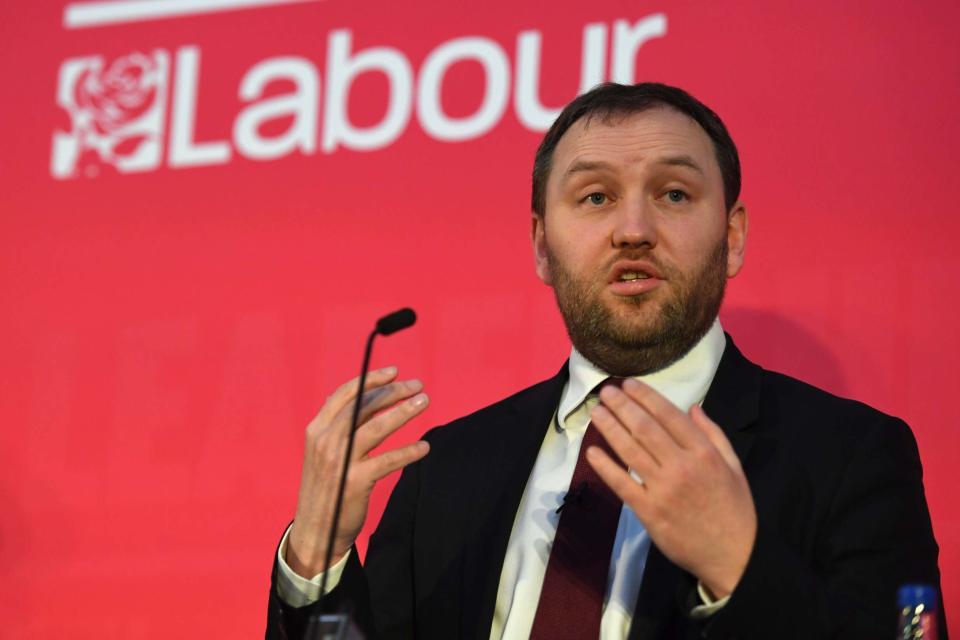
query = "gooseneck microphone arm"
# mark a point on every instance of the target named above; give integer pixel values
(388, 324)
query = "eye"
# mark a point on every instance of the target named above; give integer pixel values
(596, 198)
(676, 195)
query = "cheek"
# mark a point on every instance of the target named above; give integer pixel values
(574, 257)
(581, 239)
(689, 249)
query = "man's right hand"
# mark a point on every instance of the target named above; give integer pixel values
(387, 406)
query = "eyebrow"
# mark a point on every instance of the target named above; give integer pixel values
(680, 161)
(583, 166)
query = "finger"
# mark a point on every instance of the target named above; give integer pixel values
(384, 464)
(641, 425)
(371, 434)
(377, 399)
(618, 479)
(346, 392)
(716, 436)
(628, 449)
(674, 421)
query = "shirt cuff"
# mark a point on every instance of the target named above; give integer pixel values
(709, 606)
(297, 591)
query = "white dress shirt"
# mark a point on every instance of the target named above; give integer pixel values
(684, 383)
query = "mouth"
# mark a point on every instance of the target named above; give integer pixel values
(632, 271)
(631, 278)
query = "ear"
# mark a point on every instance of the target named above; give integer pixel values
(737, 226)
(538, 236)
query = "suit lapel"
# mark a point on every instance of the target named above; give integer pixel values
(733, 403)
(513, 443)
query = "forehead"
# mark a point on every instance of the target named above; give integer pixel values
(635, 139)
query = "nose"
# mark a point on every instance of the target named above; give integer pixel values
(634, 226)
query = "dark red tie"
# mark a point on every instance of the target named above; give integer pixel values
(571, 601)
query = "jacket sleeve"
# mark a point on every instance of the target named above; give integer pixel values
(350, 596)
(876, 535)
(378, 595)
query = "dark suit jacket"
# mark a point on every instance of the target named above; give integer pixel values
(837, 485)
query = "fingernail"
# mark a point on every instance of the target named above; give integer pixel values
(419, 400)
(389, 371)
(631, 384)
(415, 384)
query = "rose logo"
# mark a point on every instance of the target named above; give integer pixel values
(116, 114)
(119, 96)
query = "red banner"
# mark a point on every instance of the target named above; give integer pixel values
(205, 205)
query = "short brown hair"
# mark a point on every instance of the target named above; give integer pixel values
(610, 100)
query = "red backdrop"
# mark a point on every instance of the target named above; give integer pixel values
(202, 214)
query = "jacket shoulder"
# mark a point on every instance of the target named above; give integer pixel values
(797, 423)
(817, 409)
(521, 407)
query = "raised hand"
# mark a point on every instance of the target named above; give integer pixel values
(694, 499)
(387, 405)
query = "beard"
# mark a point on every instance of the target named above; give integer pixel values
(634, 336)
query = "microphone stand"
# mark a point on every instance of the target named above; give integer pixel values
(339, 626)
(328, 558)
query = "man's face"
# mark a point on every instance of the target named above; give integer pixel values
(636, 241)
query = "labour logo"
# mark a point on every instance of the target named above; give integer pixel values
(116, 114)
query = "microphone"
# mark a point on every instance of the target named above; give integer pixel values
(396, 321)
(387, 325)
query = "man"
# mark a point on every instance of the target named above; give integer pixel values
(607, 501)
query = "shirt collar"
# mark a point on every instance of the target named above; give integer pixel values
(684, 383)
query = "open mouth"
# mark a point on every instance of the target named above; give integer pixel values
(629, 276)
(633, 270)
(634, 278)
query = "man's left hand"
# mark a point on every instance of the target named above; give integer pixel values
(694, 499)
